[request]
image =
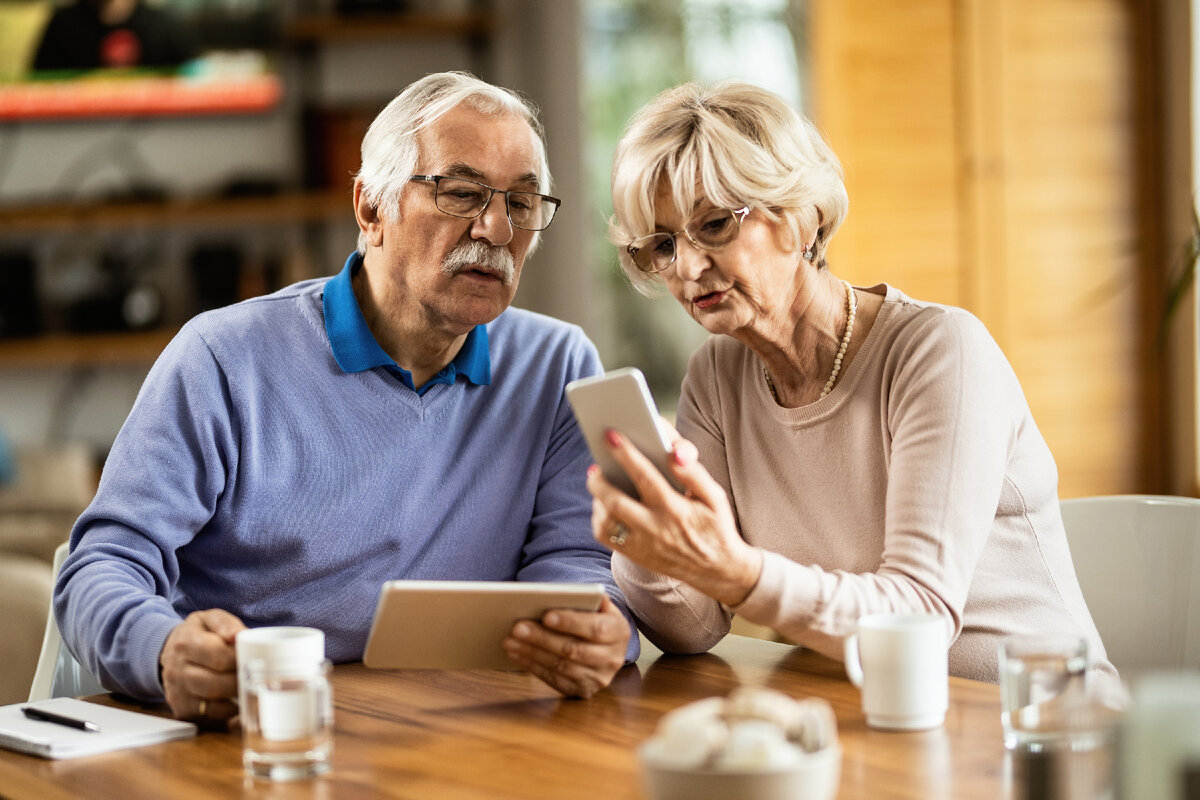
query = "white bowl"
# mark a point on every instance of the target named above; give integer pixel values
(815, 778)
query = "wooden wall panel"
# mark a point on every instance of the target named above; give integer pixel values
(1167, 100)
(989, 147)
(883, 95)
(1070, 301)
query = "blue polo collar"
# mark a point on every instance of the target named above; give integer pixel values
(355, 348)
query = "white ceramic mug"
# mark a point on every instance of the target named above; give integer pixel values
(295, 649)
(282, 645)
(900, 661)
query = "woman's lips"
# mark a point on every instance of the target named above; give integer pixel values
(710, 299)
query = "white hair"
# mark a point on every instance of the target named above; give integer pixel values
(737, 145)
(390, 147)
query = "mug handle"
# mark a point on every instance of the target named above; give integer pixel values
(854, 670)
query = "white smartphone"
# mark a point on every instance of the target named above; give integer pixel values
(620, 400)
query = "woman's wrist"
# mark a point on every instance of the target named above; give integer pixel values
(744, 577)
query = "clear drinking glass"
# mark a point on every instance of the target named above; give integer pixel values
(287, 719)
(1044, 700)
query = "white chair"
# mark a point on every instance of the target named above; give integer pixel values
(1138, 562)
(58, 673)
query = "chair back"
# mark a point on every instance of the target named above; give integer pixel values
(1138, 562)
(58, 673)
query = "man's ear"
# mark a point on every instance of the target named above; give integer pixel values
(367, 215)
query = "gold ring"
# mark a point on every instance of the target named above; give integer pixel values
(203, 707)
(619, 533)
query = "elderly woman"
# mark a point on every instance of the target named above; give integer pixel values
(845, 450)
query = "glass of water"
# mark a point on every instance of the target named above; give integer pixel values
(1044, 701)
(287, 719)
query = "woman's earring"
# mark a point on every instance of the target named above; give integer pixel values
(809, 253)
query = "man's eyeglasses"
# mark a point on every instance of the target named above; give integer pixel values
(460, 197)
(709, 230)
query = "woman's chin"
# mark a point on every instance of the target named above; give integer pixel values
(716, 322)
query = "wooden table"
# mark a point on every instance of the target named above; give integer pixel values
(472, 735)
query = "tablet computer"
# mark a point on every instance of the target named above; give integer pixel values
(461, 624)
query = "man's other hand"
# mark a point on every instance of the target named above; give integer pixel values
(576, 652)
(199, 666)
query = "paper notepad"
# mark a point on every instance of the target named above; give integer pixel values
(119, 729)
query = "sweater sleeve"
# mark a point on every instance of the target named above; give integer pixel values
(675, 616)
(159, 487)
(951, 403)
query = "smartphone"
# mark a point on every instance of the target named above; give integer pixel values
(620, 400)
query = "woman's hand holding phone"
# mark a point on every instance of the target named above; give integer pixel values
(671, 516)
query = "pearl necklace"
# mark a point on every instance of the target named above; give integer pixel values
(851, 310)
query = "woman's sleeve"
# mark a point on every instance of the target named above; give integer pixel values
(952, 408)
(675, 616)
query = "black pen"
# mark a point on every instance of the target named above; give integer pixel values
(59, 719)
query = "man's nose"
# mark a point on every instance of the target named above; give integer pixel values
(492, 224)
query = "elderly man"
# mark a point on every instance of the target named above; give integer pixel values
(289, 454)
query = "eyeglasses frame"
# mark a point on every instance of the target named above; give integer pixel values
(739, 214)
(437, 179)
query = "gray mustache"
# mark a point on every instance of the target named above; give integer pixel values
(476, 254)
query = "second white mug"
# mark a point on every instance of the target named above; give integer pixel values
(900, 661)
(299, 650)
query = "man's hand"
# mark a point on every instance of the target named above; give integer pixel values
(199, 666)
(576, 652)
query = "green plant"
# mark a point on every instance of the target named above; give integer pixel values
(1183, 279)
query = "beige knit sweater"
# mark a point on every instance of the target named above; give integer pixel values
(920, 483)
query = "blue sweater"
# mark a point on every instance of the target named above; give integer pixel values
(256, 475)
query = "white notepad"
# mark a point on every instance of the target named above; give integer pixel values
(119, 729)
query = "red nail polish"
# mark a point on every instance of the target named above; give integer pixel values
(677, 457)
(592, 470)
(612, 437)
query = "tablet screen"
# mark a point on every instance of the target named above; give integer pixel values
(461, 624)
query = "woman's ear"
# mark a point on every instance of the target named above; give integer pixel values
(367, 216)
(818, 236)
(808, 237)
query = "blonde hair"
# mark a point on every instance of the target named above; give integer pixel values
(390, 146)
(733, 143)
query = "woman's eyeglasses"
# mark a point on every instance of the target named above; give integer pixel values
(709, 230)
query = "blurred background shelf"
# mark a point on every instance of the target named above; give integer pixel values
(329, 28)
(138, 96)
(84, 350)
(302, 206)
(202, 188)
